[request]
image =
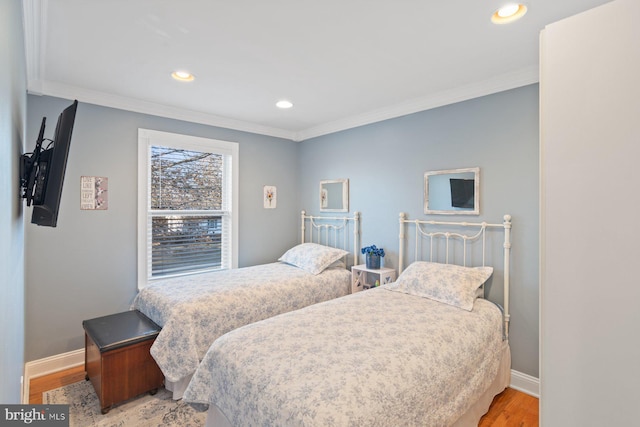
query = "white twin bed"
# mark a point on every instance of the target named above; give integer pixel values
(195, 310)
(424, 350)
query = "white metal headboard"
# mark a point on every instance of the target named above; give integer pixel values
(333, 231)
(476, 231)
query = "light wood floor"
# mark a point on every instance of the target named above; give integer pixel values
(511, 408)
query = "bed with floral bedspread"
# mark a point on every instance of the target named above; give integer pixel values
(394, 355)
(194, 310)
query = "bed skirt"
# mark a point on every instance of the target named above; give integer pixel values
(177, 387)
(215, 418)
(500, 382)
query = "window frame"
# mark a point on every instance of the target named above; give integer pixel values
(148, 138)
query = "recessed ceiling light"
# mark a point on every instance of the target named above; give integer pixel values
(183, 76)
(509, 13)
(284, 104)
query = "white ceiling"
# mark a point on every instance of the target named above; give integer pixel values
(343, 63)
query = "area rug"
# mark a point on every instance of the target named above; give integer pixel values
(144, 411)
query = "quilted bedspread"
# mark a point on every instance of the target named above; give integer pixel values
(195, 310)
(375, 358)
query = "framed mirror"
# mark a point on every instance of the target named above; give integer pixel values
(334, 195)
(452, 192)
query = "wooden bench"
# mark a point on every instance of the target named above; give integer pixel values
(117, 357)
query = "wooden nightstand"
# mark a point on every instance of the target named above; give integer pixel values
(365, 278)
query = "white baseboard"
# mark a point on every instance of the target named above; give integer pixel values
(525, 383)
(48, 365)
(37, 368)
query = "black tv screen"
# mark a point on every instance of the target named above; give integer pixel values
(462, 193)
(45, 170)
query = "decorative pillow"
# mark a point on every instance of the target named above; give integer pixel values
(312, 257)
(450, 284)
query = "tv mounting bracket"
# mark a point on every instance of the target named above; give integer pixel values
(29, 167)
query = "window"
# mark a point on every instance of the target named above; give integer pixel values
(187, 205)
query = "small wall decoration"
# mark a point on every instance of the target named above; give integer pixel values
(269, 197)
(94, 192)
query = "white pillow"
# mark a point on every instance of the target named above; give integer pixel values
(450, 284)
(312, 257)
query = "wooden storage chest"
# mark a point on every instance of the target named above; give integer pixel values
(117, 357)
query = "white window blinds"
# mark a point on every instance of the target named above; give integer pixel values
(188, 204)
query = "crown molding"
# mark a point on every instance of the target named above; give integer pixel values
(34, 13)
(35, 30)
(145, 107)
(496, 84)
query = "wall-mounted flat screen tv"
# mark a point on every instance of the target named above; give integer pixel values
(43, 170)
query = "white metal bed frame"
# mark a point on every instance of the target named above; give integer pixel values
(328, 230)
(477, 231)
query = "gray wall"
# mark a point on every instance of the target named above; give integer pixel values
(89, 259)
(86, 266)
(385, 163)
(12, 119)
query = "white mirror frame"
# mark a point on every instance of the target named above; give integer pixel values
(453, 211)
(325, 196)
